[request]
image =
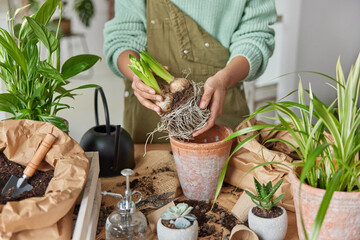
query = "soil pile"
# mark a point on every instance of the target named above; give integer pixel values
(39, 180)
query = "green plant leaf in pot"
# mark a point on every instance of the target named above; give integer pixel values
(327, 138)
(36, 87)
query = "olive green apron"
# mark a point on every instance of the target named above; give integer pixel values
(177, 41)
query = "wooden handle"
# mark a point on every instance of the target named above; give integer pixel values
(39, 155)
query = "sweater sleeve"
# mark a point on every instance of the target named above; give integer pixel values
(126, 31)
(253, 39)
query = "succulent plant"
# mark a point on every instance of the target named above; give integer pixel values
(265, 194)
(179, 215)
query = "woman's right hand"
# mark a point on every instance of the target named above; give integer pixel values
(145, 94)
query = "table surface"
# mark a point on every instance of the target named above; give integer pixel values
(226, 199)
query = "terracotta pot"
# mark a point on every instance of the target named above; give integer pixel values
(165, 233)
(342, 220)
(200, 162)
(269, 228)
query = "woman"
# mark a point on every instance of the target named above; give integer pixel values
(221, 43)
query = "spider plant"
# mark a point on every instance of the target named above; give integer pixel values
(36, 86)
(327, 138)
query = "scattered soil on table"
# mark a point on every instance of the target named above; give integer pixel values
(40, 180)
(273, 213)
(103, 214)
(143, 184)
(207, 219)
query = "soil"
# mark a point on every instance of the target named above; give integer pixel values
(40, 180)
(168, 224)
(207, 219)
(273, 213)
(180, 98)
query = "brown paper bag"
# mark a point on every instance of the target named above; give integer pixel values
(254, 153)
(50, 216)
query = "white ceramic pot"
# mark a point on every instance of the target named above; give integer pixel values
(165, 233)
(269, 228)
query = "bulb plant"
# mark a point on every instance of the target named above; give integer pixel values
(36, 85)
(179, 215)
(181, 115)
(265, 195)
(327, 138)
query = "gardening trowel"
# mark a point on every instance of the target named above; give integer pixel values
(15, 186)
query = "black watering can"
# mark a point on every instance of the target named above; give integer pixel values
(114, 144)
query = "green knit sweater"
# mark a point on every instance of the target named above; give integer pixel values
(242, 26)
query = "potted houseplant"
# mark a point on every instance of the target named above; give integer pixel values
(177, 223)
(266, 219)
(325, 182)
(36, 86)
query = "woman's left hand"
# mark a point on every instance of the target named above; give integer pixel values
(214, 96)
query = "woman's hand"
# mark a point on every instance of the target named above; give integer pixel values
(145, 94)
(214, 96)
(216, 86)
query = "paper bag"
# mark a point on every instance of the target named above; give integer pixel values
(254, 153)
(50, 216)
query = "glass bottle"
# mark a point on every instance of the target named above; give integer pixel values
(126, 222)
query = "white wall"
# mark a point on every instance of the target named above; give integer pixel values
(328, 29)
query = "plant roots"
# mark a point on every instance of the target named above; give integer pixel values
(186, 119)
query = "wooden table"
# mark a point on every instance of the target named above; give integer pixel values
(226, 200)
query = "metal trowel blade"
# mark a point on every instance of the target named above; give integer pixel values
(20, 185)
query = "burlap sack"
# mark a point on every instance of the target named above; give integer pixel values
(254, 153)
(50, 216)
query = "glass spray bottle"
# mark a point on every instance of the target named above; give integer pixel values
(126, 222)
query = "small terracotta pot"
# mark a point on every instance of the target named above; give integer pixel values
(342, 220)
(199, 162)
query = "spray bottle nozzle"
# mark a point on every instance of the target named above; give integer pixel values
(126, 202)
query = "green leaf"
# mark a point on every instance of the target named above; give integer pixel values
(78, 64)
(273, 190)
(9, 45)
(141, 70)
(46, 11)
(156, 67)
(44, 35)
(252, 196)
(54, 120)
(48, 71)
(258, 188)
(278, 199)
